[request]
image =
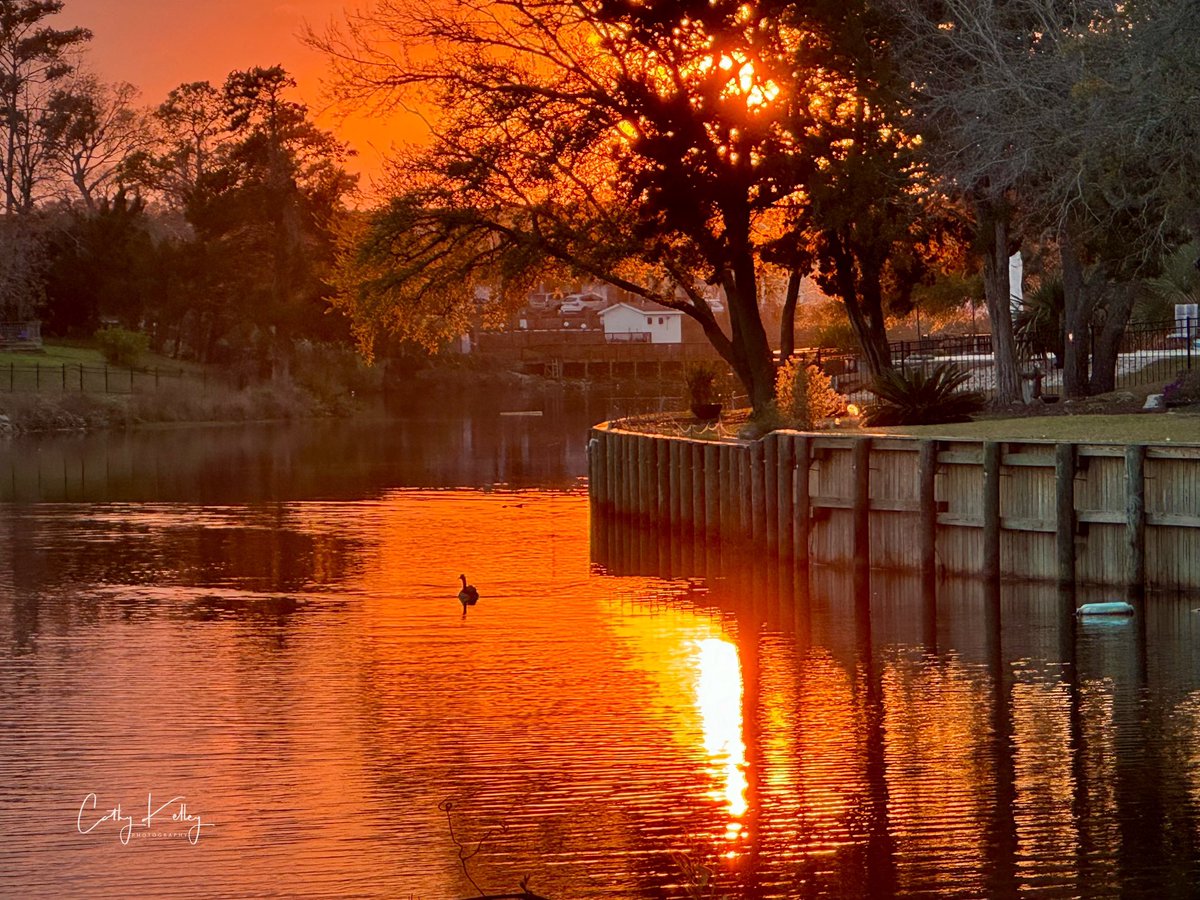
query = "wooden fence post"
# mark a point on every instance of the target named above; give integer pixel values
(785, 465)
(663, 479)
(712, 490)
(927, 504)
(801, 519)
(861, 473)
(770, 481)
(758, 493)
(991, 509)
(1064, 512)
(1135, 520)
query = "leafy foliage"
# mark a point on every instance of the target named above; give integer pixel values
(121, 347)
(805, 395)
(702, 380)
(916, 398)
(1039, 320)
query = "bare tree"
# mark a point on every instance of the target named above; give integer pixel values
(33, 61)
(93, 131)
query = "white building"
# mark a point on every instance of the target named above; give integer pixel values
(625, 323)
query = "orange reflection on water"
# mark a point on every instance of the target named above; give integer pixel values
(719, 699)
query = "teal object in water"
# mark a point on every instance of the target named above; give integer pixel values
(1114, 608)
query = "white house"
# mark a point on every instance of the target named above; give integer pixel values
(625, 323)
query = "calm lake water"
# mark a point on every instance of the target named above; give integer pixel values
(255, 631)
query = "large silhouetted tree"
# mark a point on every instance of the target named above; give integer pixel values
(657, 146)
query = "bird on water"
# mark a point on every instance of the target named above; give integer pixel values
(468, 596)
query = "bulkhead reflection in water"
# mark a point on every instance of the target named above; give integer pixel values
(972, 739)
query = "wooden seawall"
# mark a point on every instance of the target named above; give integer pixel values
(1125, 516)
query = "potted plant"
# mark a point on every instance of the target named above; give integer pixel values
(701, 381)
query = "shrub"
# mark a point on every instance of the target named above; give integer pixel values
(701, 379)
(121, 347)
(804, 394)
(1183, 390)
(917, 398)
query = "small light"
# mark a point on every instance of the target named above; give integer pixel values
(852, 410)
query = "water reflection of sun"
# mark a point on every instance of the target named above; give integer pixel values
(719, 699)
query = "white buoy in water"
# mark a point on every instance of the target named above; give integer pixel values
(1113, 608)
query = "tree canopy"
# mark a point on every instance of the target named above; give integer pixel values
(657, 146)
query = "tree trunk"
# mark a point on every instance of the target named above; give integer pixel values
(787, 323)
(1108, 340)
(866, 322)
(751, 352)
(1076, 318)
(997, 288)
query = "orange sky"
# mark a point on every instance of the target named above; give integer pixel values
(158, 44)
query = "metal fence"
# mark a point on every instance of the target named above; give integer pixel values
(79, 378)
(1150, 352)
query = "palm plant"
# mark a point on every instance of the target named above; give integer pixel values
(1178, 282)
(1038, 322)
(916, 398)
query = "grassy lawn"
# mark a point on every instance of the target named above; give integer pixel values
(1173, 426)
(54, 354)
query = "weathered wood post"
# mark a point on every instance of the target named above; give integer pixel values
(927, 506)
(645, 477)
(785, 465)
(770, 480)
(712, 490)
(676, 488)
(616, 477)
(1064, 512)
(746, 503)
(801, 518)
(758, 494)
(1135, 520)
(610, 449)
(696, 520)
(860, 467)
(729, 499)
(991, 509)
(596, 468)
(685, 484)
(663, 501)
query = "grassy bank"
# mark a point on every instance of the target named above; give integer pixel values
(72, 387)
(180, 401)
(1130, 428)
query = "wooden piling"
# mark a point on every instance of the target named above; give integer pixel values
(991, 509)
(675, 485)
(622, 480)
(712, 490)
(770, 479)
(1064, 512)
(729, 496)
(785, 465)
(687, 468)
(643, 477)
(695, 520)
(1135, 520)
(663, 495)
(927, 506)
(745, 502)
(801, 520)
(596, 468)
(758, 494)
(861, 474)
